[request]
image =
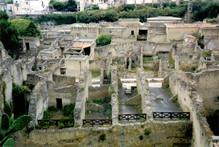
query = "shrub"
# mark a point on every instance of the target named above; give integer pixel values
(52, 108)
(103, 40)
(46, 114)
(141, 137)
(147, 132)
(207, 53)
(102, 137)
(95, 7)
(69, 110)
(21, 25)
(32, 30)
(34, 68)
(61, 125)
(26, 27)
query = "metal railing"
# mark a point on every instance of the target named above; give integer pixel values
(55, 122)
(132, 116)
(172, 115)
(97, 121)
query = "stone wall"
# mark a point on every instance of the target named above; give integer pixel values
(10, 71)
(63, 80)
(142, 88)
(97, 93)
(176, 33)
(165, 134)
(66, 92)
(114, 95)
(208, 88)
(183, 85)
(82, 96)
(96, 65)
(38, 102)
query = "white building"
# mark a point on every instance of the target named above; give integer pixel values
(31, 6)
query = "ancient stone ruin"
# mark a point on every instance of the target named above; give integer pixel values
(153, 85)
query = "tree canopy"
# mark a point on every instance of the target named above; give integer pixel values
(8, 34)
(95, 7)
(204, 9)
(26, 27)
(200, 11)
(70, 5)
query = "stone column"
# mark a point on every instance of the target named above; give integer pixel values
(160, 65)
(101, 76)
(130, 64)
(141, 58)
(24, 46)
(125, 60)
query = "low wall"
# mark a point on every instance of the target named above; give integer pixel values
(114, 95)
(97, 93)
(165, 134)
(82, 96)
(38, 102)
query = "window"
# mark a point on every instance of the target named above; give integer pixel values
(132, 33)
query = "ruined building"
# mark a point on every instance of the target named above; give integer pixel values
(155, 84)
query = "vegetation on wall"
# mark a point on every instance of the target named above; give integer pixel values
(103, 39)
(19, 96)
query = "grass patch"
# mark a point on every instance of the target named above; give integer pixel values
(148, 59)
(136, 107)
(95, 74)
(207, 54)
(176, 102)
(172, 63)
(147, 132)
(134, 93)
(102, 101)
(102, 137)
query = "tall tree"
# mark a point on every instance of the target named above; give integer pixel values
(71, 5)
(8, 34)
(32, 30)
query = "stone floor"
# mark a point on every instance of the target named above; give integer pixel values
(124, 109)
(160, 98)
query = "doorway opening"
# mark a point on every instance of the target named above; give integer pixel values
(59, 103)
